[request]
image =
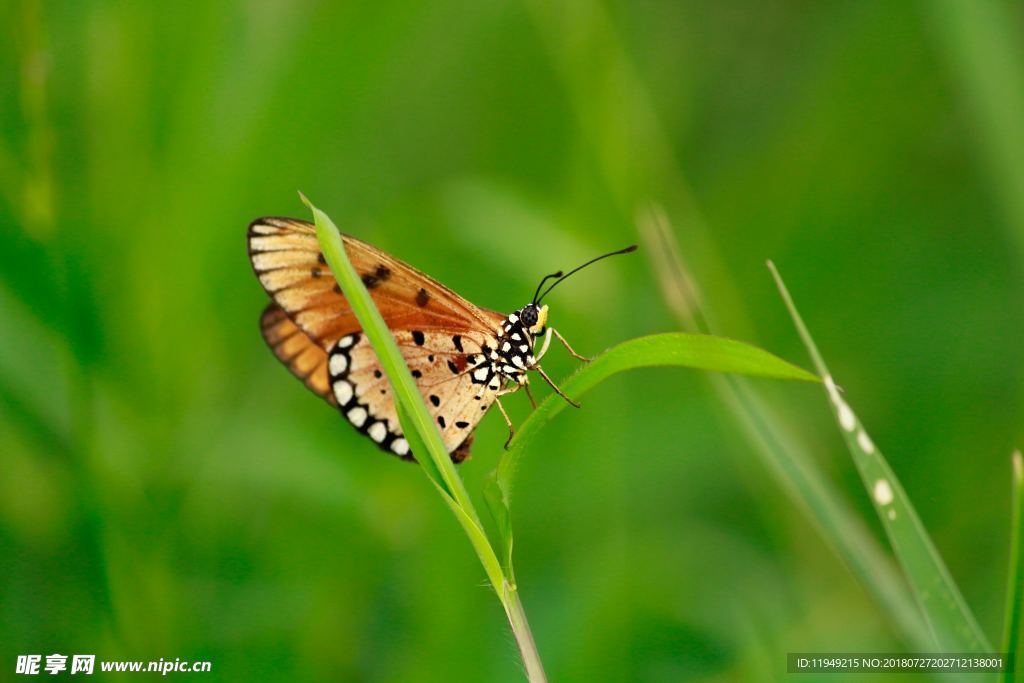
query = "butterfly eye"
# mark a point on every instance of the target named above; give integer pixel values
(529, 316)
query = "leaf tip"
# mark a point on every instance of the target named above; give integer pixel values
(305, 200)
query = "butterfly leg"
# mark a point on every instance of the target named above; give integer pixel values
(545, 345)
(569, 348)
(511, 431)
(529, 395)
(554, 386)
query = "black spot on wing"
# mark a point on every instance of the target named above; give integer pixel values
(422, 297)
(435, 400)
(457, 341)
(418, 337)
(440, 421)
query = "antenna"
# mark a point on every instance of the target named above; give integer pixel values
(561, 277)
(545, 279)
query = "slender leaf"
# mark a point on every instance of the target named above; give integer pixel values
(477, 537)
(1015, 577)
(423, 436)
(502, 516)
(952, 624)
(981, 41)
(699, 351)
(781, 449)
(391, 359)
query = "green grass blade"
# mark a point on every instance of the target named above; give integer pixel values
(981, 41)
(424, 439)
(477, 537)
(781, 449)
(391, 359)
(950, 620)
(495, 497)
(1015, 577)
(699, 351)
(417, 425)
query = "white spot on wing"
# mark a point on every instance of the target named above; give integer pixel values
(882, 492)
(400, 446)
(357, 416)
(338, 364)
(377, 431)
(343, 393)
(480, 373)
(346, 341)
(506, 347)
(513, 318)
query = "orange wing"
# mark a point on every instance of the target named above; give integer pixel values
(286, 256)
(312, 330)
(300, 354)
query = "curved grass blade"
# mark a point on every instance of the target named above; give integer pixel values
(477, 536)
(502, 516)
(423, 436)
(781, 449)
(1015, 577)
(391, 359)
(699, 351)
(949, 618)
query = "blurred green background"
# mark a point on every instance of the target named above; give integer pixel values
(168, 490)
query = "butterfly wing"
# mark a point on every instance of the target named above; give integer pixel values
(313, 331)
(300, 354)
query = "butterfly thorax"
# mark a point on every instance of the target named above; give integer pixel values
(512, 352)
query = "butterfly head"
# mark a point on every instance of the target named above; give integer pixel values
(534, 317)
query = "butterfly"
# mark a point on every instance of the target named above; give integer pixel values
(464, 358)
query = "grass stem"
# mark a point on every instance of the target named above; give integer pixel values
(1015, 576)
(423, 436)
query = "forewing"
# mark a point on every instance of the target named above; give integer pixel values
(313, 331)
(286, 256)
